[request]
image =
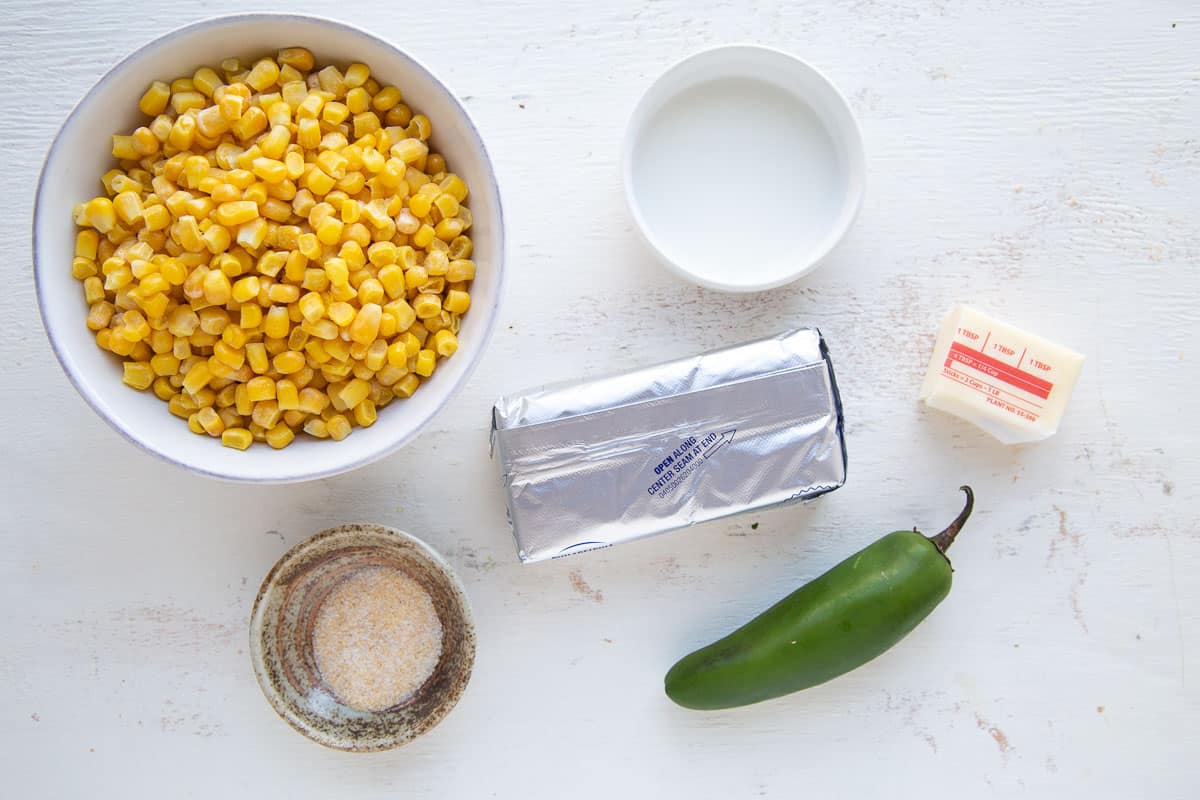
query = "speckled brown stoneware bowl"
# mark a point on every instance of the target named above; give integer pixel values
(281, 628)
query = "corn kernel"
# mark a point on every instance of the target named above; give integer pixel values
(322, 329)
(426, 361)
(237, 438)
(316, 428)
(312, 401)
(260, 388)
(460, 270)
(297, 58)
(154, 100)
(256, 357)
(263, 74)
(427, 305)
(266, 413)
(196, 378)
(419, 205)
(138, 374)
(269, 169)
(377, 355)
(445, 343)
(457, 302)
(386, 98)
(236, 212)
(280, 436)
(288, 361)
(423, 236)
(184, 101)
(364, 413)
(277, 322)
(250, 317)
(338, 427)
(283, 293)
(246, 289)
(312, 307)
(287, 395)
(406, 386)
(135, 326)
(318, 182)
(100, 214)
(365, 326)
(210, 421)
(165, 364)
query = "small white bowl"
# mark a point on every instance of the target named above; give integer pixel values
(81, 153)
(743, 167)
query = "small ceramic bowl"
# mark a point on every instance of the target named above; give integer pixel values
(285, 612)
(82, 152)
(743, 167)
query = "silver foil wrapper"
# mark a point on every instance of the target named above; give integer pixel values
(590, 464)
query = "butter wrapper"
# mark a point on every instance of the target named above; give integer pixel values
(591, 464)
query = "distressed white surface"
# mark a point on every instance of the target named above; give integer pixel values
(1066, 661)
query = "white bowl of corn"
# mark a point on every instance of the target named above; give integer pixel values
(268, 247)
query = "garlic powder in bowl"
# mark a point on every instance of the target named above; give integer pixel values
(361, 638)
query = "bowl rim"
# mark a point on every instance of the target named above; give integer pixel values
(855, 158)
(80, 381)
(297, 551)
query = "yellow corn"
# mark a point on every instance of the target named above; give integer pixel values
(287, 395)
(457, 302)
(365, 326)
(316, 428)
(138, 374)
(276, 187)
(277, 322)
(263, 74)
(406, 385)
(426, 361)
(236, 212)
(296, 57)
(256, 357)
(196, 378)
(427, 305)
(460, 270)
(445, 343)
(338, 427)
(312, 307)
(165, 364)
(370, 291)
(237, 438)
(210, 421)
(154, 100)
(322, 329)
(364, 413)
(246, 289)
(280, 436)
(269, 169)
(376, 355)
(423, 236)
(288, 361)
(318, 182)
(275, 143)
(283, 293)
(260, 388)
(251, 317)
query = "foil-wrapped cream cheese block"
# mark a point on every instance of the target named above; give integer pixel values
(594, 463)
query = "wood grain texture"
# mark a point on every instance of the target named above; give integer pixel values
(1039, 160)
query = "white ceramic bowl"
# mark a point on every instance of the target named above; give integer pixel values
(743, 167)
(80, 154)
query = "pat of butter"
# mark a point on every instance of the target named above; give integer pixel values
(1007, 381)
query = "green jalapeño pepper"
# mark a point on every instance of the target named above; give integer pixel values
(835, 623)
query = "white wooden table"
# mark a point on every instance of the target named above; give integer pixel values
(1039, 160)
